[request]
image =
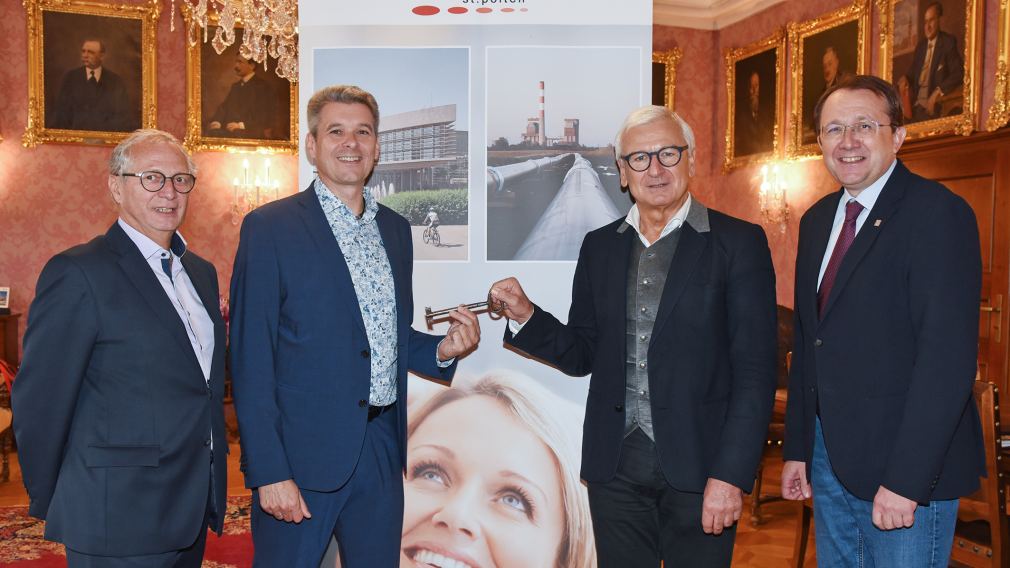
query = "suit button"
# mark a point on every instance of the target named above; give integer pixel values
(812, 389)
(818, 343)
(619, 408)
(365, 353)
(206, 442)
(362, 403)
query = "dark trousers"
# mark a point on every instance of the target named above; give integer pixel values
(366, 514)
(639, 520)
(189, 557)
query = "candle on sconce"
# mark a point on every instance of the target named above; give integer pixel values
(245, 172)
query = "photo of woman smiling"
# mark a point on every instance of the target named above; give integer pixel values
(492, 482)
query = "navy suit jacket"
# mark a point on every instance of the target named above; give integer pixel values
(112, 413)
(891, 364)
(82, 106)
(946, 68)
(299, 352)
(711, 358)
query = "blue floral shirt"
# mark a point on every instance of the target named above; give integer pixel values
(366, 258)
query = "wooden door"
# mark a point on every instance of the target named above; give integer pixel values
(978, 169)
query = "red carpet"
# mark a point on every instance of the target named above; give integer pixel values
(22, 546)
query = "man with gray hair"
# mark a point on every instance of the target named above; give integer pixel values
(673, 312)
(320, 347)
(117, 406)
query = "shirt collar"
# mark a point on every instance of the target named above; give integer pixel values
(248, 78)
(634, 220)
(97, 72)
(869, 196)
(149, 248)
(334, 205)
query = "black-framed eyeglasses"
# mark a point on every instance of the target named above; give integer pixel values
(862, 130)
(154, 180)
(669, 156)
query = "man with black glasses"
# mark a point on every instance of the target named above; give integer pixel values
(673, 312)
(117, 406)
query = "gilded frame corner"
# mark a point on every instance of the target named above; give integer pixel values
(858, 11)
(999, 112)
(965, 122)
(195, 139)
(670, 59)
(777, 42)
(35, 130)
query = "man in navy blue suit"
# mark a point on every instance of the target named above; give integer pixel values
(321, 343)
(117, 406)
(881, 425)
(937, 67)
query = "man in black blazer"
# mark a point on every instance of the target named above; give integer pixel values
(881, 426)
(117, 406)
(673, 312)
(92, 97)
(249, 110)
(937, 67)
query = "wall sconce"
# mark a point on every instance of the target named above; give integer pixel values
(250, 191)
(772, 197)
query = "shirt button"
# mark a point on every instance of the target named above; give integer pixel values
(818, 343)
(650, 254)
(643, 337)
(641, 365)
(645, 310)
(645, 281)
(641, 392)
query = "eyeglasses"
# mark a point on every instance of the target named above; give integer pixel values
(861, 130)
(153, 181)
(669, 157)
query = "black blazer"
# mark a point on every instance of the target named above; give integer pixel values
(711, 357)
(111, 410)
(946, 68)
(892, 362)
(105, 106)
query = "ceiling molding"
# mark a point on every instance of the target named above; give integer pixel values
(706, 14)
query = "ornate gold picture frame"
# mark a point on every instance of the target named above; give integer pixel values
(756, 100)
(929, 50)
(999, 112)
(664, 76)
(824, 50)
(91, 67)
(236, 104)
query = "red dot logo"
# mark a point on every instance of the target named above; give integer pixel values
(425, 10)
(457, 10)
(508, 9)
(483, 10)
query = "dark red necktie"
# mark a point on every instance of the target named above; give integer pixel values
(845, 238)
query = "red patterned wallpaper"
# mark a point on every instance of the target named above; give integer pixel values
(56, 196)
(705, 108)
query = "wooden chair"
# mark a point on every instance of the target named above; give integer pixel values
(6, 430)
(981, 537)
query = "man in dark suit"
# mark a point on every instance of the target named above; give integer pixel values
(92, 97)
(881, 425)
(321, 343)
(937, 67)
(249, 108)
(673, 312)
(755, 126)
(117, 406)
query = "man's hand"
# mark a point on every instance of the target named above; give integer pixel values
(233, 126)
(721, 506)
(795, 486)
(284, 501)
(518, 307)
(463, 335)
(892, 511)
(214, 125)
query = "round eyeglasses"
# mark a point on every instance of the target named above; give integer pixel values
(669, 156)
(154, 180)
(861, 130)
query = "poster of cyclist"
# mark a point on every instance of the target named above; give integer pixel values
(423, 166)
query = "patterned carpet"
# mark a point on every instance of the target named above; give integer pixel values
(22, 545)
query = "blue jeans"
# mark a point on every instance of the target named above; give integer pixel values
(846, 536)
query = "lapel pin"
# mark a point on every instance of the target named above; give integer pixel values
(877, 223)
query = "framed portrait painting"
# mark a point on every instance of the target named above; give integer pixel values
(929, 52)
(755, 94)
(824, 50)
(234, 102)
(91, 71)
(664, 76)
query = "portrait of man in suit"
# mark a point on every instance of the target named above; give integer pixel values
(829, 56)
(118, 402)
(248, 109)
(673, 313)
(936, 72)
(321, 342)
(754, 104)
(881, 425)
(92, 96)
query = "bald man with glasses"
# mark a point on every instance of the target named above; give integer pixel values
(673, 312)
(117, 406)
